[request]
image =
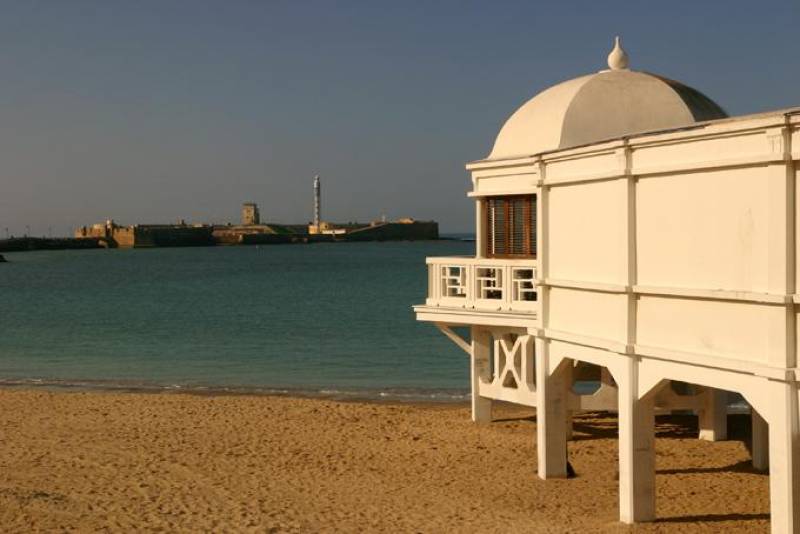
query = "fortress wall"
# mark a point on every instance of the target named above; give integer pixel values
(162, 236)
(124, 237)
(175, 236)
(268, 239)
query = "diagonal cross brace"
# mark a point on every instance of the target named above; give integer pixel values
(455, 338)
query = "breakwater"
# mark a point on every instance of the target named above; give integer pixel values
(19, 244)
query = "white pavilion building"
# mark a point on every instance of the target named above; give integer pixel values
(627, 227)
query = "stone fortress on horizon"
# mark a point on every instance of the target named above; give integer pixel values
(252, 231)
(628, 230)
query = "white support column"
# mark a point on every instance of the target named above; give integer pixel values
(569, 380)
(568, 427)
(628, 259)
(783, 459)
(542, 244)
(480, 228)
(637, 473)
(759, 448)
(779, 184)
(637, 469)
(481, 351)
(551, 416)
(713, 417)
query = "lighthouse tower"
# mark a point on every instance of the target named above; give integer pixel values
(316, 225)
(317, 201)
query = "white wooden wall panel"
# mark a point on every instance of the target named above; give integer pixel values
(588, 313)
(717, 328)
(587, 234)
(705, 230)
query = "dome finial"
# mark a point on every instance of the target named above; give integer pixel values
(618, 58)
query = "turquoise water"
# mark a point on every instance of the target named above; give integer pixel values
(332, 319)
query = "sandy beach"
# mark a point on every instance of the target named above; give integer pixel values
(88, 461)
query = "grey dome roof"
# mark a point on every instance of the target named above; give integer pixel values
(605, 105)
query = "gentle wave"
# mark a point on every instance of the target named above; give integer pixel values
(736, 404)
(410, 395)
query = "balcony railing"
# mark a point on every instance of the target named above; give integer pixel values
(482, 283)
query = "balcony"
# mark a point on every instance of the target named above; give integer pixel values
(485, 285)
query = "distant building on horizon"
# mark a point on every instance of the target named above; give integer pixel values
(252, 231)
(114, 235)
(250, 214)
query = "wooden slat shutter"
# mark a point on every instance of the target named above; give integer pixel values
(511, 226)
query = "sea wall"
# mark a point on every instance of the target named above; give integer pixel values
(166, 236)
(392, 231)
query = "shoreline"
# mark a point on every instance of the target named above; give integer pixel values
(388, 394)
(399, 395)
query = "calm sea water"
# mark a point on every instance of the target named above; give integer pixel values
(331, 319)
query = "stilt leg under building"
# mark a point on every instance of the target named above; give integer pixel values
(759, 447)
(713, 417)
(637, 498)
(783, 475)
(481, 352)
(551, 415)
(569, 378)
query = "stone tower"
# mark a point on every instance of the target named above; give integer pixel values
(250, 214)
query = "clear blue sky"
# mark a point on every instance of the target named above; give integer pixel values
(153, 111)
